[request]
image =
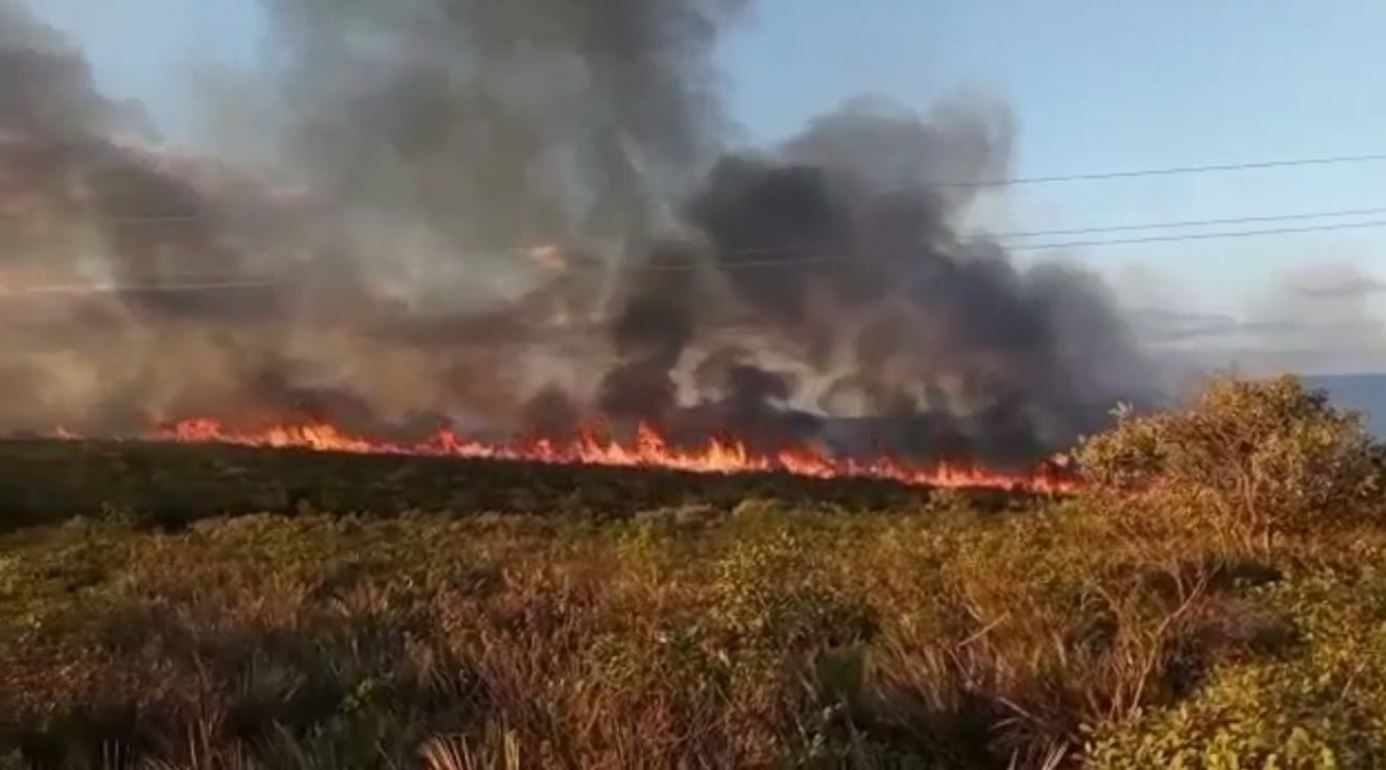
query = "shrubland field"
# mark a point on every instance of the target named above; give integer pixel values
(1213, 597)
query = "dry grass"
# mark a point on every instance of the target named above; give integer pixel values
(764, 637)
(736, 632)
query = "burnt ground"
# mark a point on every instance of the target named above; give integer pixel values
(169, 485)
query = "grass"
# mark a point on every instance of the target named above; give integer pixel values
(171, 485)
(201, 607)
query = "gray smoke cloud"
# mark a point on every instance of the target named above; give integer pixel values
(519, 217)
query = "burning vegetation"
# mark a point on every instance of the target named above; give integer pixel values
(358, 249)
(649, 449)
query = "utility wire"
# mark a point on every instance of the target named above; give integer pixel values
(1166, 225)
(1159, 225)
(1197, 236)
(138, 289)
(171, 218)
(214, 285)
(733, 266)
(788, 261)
(1005, 181)
(751, 264)
(1168, 171)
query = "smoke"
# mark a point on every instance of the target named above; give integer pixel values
(841, 246)
(522, 217)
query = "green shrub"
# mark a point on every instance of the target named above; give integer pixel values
(1248, 460)
(1323, 706)
(772, 591)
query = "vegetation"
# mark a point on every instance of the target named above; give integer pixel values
(1251, 460)
(1214, 598)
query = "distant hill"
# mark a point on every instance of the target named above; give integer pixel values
(1364, 392)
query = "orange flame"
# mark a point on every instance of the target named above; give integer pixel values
(548, 256)
(649, 450)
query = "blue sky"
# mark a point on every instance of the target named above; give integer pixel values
(1095, 85)
(1113, 85)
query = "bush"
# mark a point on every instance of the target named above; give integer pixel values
(1250, 459)
(1318, 705)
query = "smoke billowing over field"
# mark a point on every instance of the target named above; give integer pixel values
(518, 219)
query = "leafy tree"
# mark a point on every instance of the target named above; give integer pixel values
(1251, 458)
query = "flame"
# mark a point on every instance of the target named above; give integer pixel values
(648, 450)
(548, 256)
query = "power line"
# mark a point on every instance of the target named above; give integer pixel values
(137, 289)
(746, 265)
(167, 219)
(1165, 225)
(1197, 236)
(1160, 225)
(791, 261)
(171, 218)
(1163, 171)
(788, 261)
(736, 266)
(1005, 181)
(214, 285)
(1167, 171)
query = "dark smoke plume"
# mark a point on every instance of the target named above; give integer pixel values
(517, 218)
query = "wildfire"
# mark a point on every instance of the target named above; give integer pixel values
(648, 450)
(548, 256)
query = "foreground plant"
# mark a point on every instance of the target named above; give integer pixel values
(1248, 461)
